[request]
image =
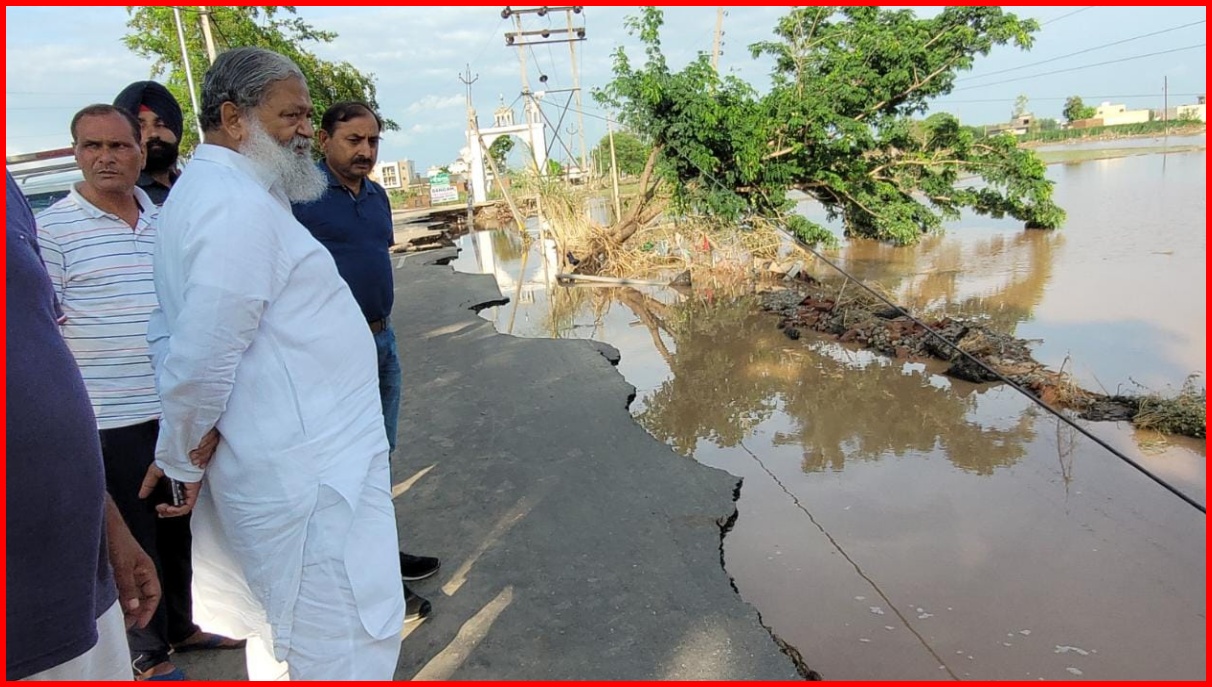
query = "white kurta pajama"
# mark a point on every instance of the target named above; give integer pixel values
(257, 334)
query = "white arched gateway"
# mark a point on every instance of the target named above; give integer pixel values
(532, 134)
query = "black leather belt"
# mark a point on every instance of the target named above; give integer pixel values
(377, 326)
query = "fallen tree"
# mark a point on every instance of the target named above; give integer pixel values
(840, 122)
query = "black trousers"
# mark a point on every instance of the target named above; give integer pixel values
(127, 452)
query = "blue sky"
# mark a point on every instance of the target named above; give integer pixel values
(62, 58)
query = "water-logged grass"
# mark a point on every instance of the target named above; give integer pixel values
(1053, 157)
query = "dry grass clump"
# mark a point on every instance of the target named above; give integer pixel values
(699, 244)
(1185, 413)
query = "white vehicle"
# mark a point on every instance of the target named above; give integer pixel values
(44, 177)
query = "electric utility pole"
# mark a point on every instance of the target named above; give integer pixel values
(472, 125)
(204, 13)
(189, 74)
(719, 34)
(523, 39)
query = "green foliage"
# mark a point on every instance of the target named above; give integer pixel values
(499, 150)
(1020, 106)
(1185, 413)
(630, 153)
(1075, 109)
(153, 34)
(836, 124)
(1153, 127)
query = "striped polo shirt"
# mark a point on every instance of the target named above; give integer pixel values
(101, 270)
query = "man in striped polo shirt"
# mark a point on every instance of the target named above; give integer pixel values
(97, 245)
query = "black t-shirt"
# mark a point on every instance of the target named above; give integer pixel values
(58, 576)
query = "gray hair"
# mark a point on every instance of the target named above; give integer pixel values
(242, 76)
(102, 110)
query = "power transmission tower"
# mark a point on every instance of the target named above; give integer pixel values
(523, 39)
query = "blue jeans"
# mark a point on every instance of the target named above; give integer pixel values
(390, 382)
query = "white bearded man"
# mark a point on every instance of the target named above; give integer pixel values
(259, 337)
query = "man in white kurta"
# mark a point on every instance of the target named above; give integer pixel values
(259, 337)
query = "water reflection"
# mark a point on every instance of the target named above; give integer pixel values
(733, 371)
(1118, 294)
(999, 277)
(964, 501)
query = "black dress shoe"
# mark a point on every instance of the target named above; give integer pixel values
(416, 607)
(413, 568)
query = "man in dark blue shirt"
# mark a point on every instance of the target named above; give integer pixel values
(353, 221)
(66, 544)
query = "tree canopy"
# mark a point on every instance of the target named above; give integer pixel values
(500, 149)
(153, 34)
(840, 123)
(630, 152)
(1075, 109)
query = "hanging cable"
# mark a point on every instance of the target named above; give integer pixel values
(1080, 52)
(1014, 385)
(1061, 416)
(1067, 14)
(1085, 66)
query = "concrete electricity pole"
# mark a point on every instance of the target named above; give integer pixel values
(719, 33)
(576, 88)
(1166, 104)
(468, 80)
(204, 13)
(614, 174)
(189, 74)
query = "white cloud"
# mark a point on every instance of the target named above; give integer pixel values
(59, 59)
(431, 102)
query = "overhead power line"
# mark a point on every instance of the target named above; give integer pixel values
(1033, 99)
(1084, 66)
(1079, 52)
(1067, 14)
(488, 41)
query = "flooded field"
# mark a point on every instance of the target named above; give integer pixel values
(898, 524)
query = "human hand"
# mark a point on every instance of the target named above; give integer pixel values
(205, 450)
(166, 510)
(134, 572)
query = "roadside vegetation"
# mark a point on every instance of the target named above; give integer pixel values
(1178, 127)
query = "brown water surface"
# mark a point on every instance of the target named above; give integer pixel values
(898, 524)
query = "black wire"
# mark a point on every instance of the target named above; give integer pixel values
(1004, 379)
(489, 41)
(1085, 66)
(1067, 14)
(1079, 52)
(1114, 451)
(941, 101)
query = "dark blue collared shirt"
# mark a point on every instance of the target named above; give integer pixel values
(357, 230)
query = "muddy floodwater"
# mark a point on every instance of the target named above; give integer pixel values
(898, 524)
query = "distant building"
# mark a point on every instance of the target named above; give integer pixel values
(1115, 115)
(392, 175)
(1019, 126)
(1197, 111)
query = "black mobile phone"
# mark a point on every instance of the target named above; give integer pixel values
(177, 492)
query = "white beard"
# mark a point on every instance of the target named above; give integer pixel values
(301, 179)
